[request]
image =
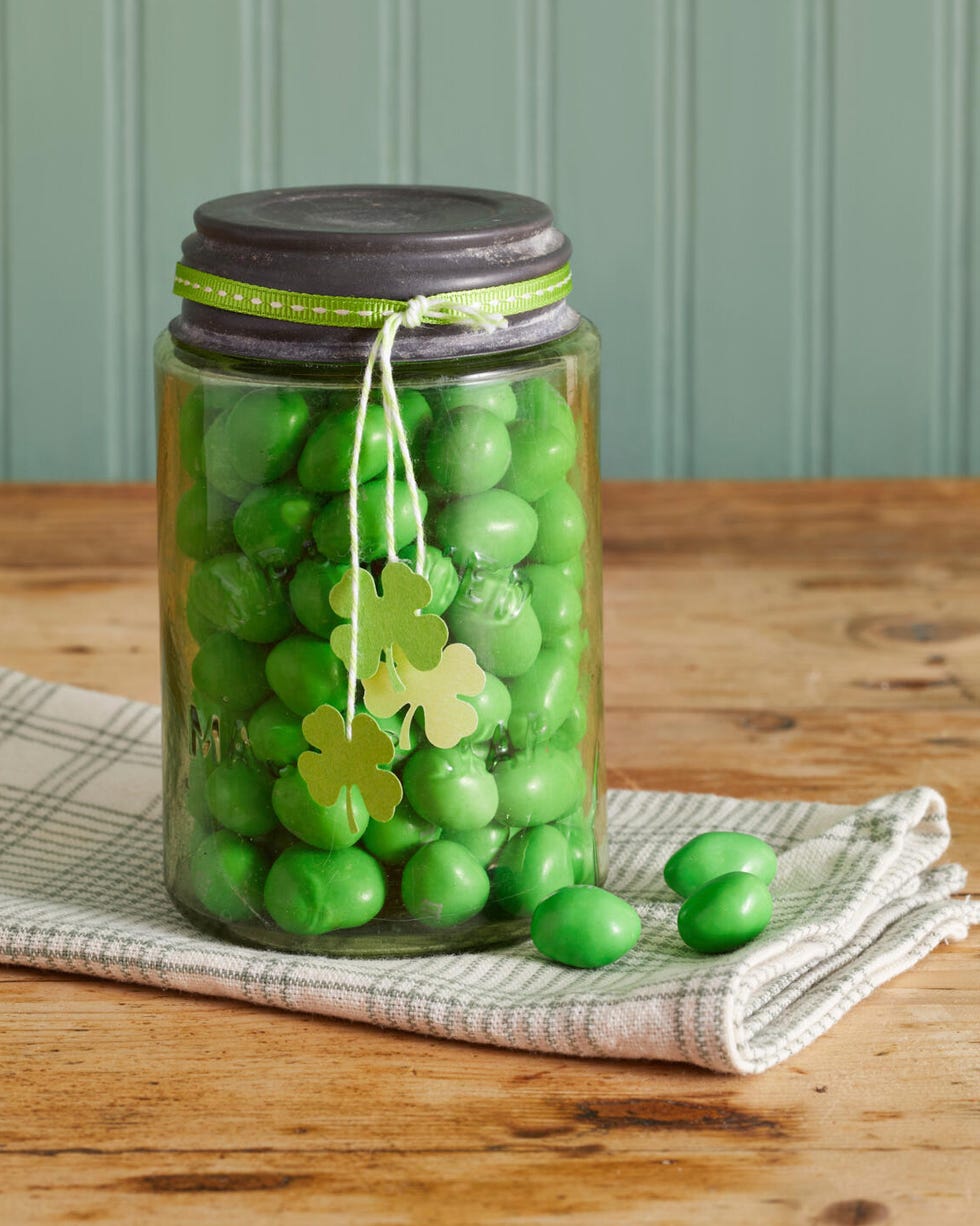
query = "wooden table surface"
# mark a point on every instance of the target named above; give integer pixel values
(775, 640)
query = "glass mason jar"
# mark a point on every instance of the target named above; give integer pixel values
(421, 780)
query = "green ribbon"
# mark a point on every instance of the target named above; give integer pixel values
(333, 311)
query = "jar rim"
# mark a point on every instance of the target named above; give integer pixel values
(373, 241)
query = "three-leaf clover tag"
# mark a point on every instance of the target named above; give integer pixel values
(382, 621)
(447, 718)
(343, 763)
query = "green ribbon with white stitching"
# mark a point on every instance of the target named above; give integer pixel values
(334, 311)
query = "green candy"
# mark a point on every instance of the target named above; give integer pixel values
(217, 726)
(201, 627)
(451, 788)
(196, 797)
(199, 831)
(203, 522)
(323, 826)
(325, 464)
(581, 848)
(496, 398)
(332, 400)
(443, 885)
(573, 642)
(437, 495)
(227, 875)
(555, 600)
(584, 926)
(543, 697)
(483, 844)
(541, 404)
(538, 786)
(468, 451)
(221, 397)
(725, 913)
(239, 796)
(493, 616)
(531, 868)
(495, 530)
(190, 432)
(304, 672)
(219, 467)
(492, 706)
(416, 417)
(540, 458)
(715, 853)
(573, 730)
(275, 733)
(394, 841)
(331, 529)
(274, 523)
(309, 594)
(231, 672)
(392, 724)
(265, 432)
(235, 594)
(440, 574)
(573, 570)
(309, 892)
(561, 525)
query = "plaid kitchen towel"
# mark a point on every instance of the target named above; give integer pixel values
(858, 898)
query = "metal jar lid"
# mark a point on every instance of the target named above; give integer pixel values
(374, 242)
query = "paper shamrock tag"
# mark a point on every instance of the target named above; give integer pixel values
(447, 718)
(382, 621)
(343, 763)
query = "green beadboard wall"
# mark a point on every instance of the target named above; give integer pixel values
(775, 203)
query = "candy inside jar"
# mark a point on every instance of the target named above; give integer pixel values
(381, 618)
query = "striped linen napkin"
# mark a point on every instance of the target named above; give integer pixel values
(858, 899)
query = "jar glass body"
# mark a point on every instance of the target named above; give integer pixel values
(254, 528)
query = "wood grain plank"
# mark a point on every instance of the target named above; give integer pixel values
(581, 1186)
(124, 1104)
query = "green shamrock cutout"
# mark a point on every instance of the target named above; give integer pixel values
(343, 763)
(447, 718)
(382, 621)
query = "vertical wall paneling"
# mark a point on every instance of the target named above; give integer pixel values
(409, 54)
(809, 404)
(742, 218)
(336, 97)
(58, 285)
(604, 196)
(671, 266)
(972, 395)
(400, 59)
(775, 204)
(192, 89)
(537, 74)
(884, 237)
(6, 420)
(472, 109)
(123, 307)
(949, 440)
(259, 83)
(390, 75)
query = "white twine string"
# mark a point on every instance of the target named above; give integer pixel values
(417, 311)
